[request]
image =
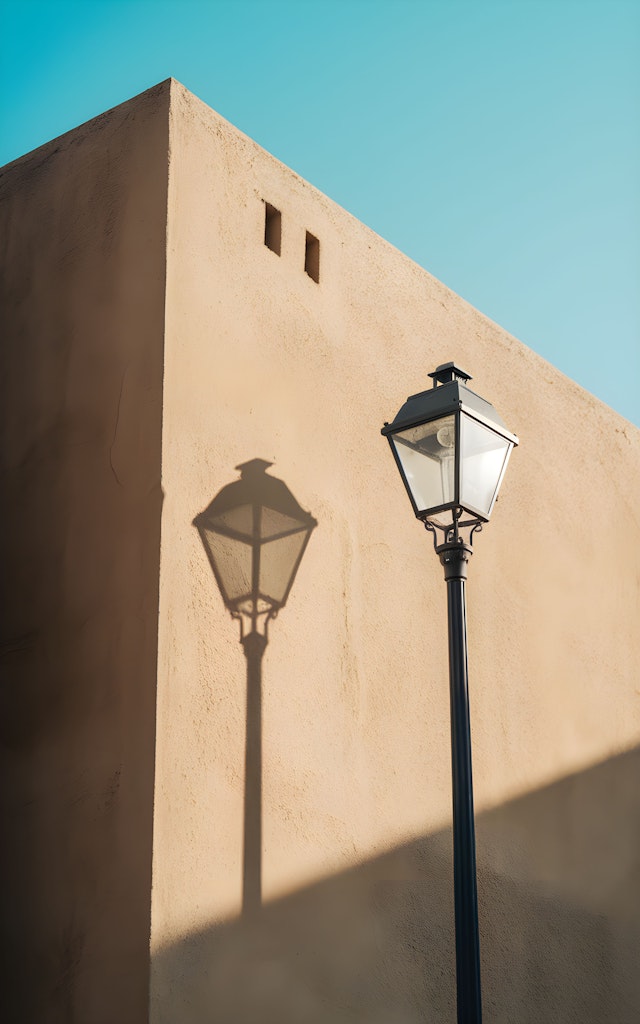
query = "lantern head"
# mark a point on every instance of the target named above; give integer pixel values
(451, 449)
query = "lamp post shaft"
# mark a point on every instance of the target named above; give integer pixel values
(254, 644)
(451, 448)
(454, 557)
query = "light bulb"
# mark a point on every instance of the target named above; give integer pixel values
(446, 436)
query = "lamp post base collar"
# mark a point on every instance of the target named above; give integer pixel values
(254, 644)
(454, 557)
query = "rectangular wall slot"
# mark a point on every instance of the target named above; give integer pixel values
(312, 257)
(272, 228)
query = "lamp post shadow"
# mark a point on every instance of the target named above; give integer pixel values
(254, 533)
(254, 644)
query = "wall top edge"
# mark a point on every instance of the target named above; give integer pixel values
(171, 98)
(156, 95)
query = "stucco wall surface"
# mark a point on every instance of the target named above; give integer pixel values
(262, 361)
(83, 228)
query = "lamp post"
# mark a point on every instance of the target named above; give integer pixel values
(254, 533)
(452, 449)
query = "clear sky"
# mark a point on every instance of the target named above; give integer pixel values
(496, 142)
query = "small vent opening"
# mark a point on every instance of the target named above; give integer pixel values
(272, 228)
(312, 257)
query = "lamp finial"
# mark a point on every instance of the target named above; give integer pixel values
(448, 372)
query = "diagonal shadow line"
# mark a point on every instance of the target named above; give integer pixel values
(559, 888)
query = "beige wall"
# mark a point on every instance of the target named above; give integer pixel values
(83, 274)
(260, 361)
(263, 362)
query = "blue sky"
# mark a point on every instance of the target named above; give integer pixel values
(496, 142)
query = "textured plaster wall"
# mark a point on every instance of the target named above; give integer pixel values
(107, 624)
(261, 361)
(83, 270)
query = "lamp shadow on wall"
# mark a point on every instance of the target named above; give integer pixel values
(254, 533)
(559, 888)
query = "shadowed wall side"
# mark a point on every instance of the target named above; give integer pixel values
(83, 268)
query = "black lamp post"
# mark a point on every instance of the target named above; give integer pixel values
(452, 449)
(255, 533)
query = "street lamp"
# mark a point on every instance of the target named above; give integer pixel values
(452, 449)
(254, 533)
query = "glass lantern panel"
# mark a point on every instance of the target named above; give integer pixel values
(238, 519)
(483, 455)
(232, 559)
(427, 456)
(273, 523)
(278, 560)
